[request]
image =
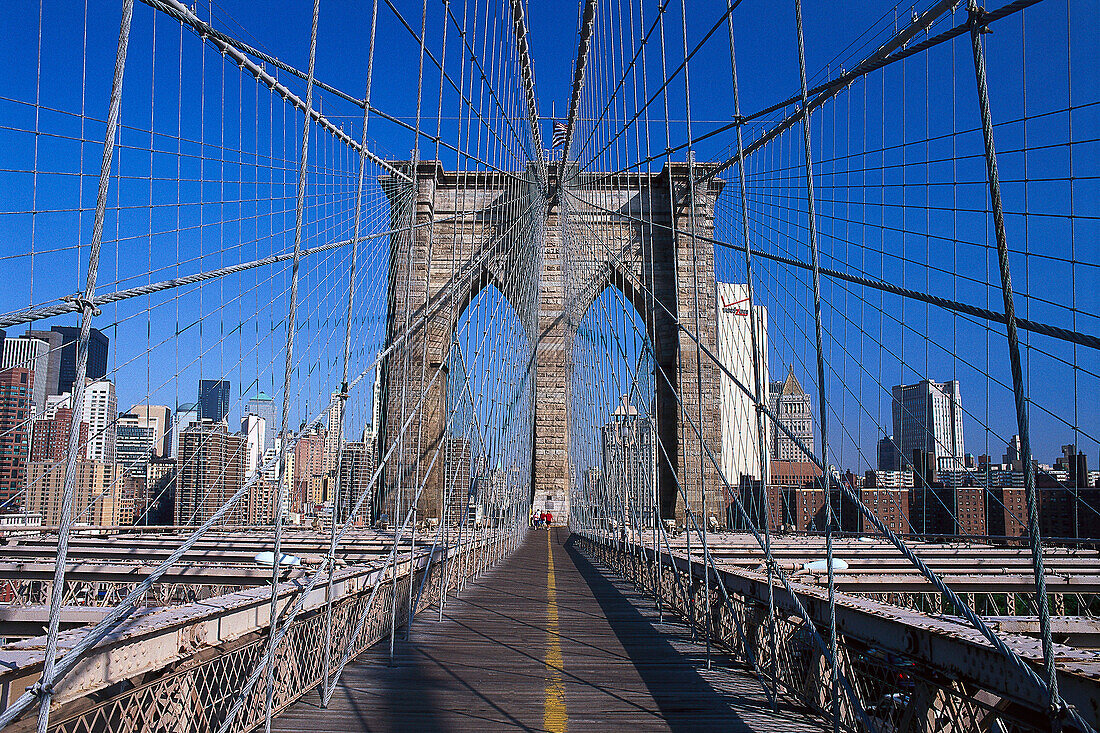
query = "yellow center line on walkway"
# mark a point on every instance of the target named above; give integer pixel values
(554, 718)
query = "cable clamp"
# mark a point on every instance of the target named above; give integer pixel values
(40, 689)
(977, 19)
(83, 303)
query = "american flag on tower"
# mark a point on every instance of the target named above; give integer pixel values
(559, 134)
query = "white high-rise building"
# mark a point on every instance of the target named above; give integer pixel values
(740, 430)
(334, 436)
(263, 406)
(928, 417)
(376, 406)
(254, 430)
(33, 354)
(55, 402)
(272, 474)
(100, 412)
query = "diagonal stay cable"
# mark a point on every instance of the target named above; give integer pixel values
(1046, 329)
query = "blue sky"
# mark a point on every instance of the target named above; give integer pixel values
(884, 209)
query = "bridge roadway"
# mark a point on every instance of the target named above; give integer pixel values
(543, 642)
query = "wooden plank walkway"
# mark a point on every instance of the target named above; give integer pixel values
(544, 642)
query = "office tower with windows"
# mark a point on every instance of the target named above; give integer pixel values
(98, 345)
(928, 418)
(100, 412)
(741, 444)
(213, 400)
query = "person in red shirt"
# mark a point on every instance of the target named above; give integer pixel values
(549, 519)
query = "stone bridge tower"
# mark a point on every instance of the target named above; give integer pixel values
(627, 231)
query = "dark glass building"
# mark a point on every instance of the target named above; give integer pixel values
(97, 356)
(213, 399)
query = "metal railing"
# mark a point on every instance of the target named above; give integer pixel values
(192, 686)
(908, 671)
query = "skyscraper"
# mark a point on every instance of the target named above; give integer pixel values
(50, 438)
(210, 471)
(100, 412)
(889, 457)
(213, 400)
(253, 429)
(629, 465)
(791, 405)
(55, 342)
(1011, 457)
(334, 436)
(263, 406)
(159, 418)
(157, 506)
(134, 443)
(187, 414)
(308, 452)
(97, 356)
(16, 387)
(376, 409)
(740, 429)
(32, 354)
(273, 473)
(928, 418)
(101, 494)
(456, 480)
(355, 475)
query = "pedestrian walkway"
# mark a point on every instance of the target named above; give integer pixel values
(544, 642)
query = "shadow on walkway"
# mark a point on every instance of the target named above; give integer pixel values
(686, 700)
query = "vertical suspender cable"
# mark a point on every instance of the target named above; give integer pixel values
(647, 254)
(276, 562)
(1018, 387)
(444, 493)
(407, 355)
(331, 559)
(588, 17)
(681, 443)
(758, 373)
(826, 478)
(698, 332)
(44, 687)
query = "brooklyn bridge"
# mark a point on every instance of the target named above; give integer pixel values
(735, 376)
